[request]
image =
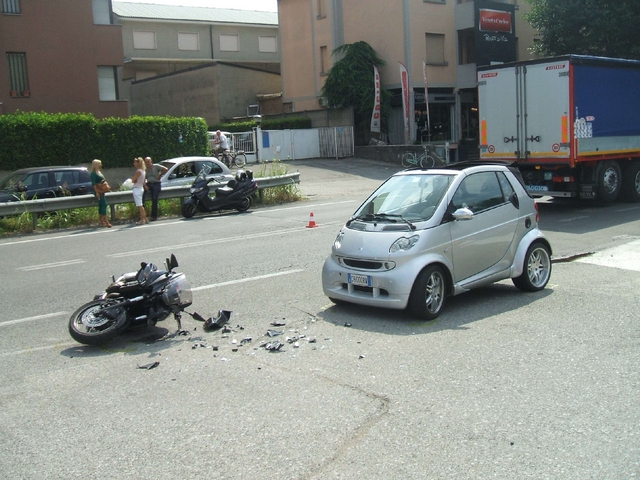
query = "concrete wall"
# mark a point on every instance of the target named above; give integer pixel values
(214, 92)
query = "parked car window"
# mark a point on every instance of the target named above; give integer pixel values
(66, 177)
(215, 168)
(478, 192)
(507, 189)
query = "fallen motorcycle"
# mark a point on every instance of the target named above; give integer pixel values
(235, 195)
(139, 298)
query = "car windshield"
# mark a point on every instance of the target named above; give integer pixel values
(11, 182)
(408, 198)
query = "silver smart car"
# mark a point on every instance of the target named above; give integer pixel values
(424, 235)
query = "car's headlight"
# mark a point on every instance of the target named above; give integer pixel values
(337, 243)
(404, 243)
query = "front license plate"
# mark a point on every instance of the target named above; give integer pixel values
(363, 280)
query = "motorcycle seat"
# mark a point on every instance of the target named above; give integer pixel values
(224, 191)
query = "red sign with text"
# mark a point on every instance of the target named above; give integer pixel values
(495, 21)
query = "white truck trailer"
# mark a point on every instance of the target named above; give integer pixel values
(571, 124)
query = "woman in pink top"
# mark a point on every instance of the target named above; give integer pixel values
(138, 188)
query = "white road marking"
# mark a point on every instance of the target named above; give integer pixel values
(238, 238)
(39, 349)
(626, 257)
(128, 228)
(32, 319)
(572, 219)
(50, 265)
(243, 280)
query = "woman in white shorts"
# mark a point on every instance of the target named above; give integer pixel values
(138, 188)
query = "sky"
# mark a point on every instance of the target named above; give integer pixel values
(262, 5)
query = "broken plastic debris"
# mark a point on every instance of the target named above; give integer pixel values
(274, 333)
(149, 366)
(277, 324)
(273, 346)
(246, 340)
(347, 324)
(216, 323)
(197, 316)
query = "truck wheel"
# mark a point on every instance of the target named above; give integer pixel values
(609, 181)
(631, 182)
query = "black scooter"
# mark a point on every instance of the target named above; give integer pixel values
(236, 195)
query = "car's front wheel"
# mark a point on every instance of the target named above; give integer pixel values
(537, 269)
(429, 293)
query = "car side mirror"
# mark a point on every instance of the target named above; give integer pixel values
(515, 200)
(462, 214)
(172, 176)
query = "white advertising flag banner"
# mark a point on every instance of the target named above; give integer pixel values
(404, 80)
(426, 95)
(375, 116)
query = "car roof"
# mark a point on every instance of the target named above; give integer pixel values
(47, 169)
(188, 159)
(466, 167)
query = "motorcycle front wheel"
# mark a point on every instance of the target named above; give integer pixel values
(244, 205)
(189, 210)
(89, 326)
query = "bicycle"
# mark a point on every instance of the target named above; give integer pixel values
(424, 160)
(228, 157)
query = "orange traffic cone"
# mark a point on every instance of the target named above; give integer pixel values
(312, 221)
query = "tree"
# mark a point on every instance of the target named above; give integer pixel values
(588, 27)
(350, 83)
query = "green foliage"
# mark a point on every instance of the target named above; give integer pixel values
(41, 139)
(350, 83)
(267, 124)
(586, 27)
(277, 195)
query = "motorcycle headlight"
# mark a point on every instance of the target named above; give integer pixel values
(337, 243)
(404, 243)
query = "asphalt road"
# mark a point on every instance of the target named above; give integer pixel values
(502, 385)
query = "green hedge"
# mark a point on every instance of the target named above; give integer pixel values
(41, 139)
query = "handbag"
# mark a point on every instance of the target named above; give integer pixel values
(103, 187)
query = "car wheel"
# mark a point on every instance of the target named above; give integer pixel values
(537, 269)
(609, 181)
(429, 293)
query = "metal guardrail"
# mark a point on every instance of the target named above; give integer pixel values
(116, 198)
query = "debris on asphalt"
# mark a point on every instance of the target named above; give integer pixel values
(274, 333)
(246, 340)
(347, 324)
(273, 346)
(149, 366)
(216, 323)
(278, 324)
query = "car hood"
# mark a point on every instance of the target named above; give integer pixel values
(9, 196)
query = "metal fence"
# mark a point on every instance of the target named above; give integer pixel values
(44, 205)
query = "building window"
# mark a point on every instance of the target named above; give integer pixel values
(467, 47)
(324, 60)
(267, 44)
(321, 9)
(18, 78)
(11, 6)
(101, 12)
(229, 43)
(107, 83)
(188, 41)
(144, 40)
(435, 49)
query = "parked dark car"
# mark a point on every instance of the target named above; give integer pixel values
(45, 182)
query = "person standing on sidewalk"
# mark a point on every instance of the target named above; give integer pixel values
(154, 173)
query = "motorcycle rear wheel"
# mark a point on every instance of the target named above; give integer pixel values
(189, 210)
(240, 160)
(89, 327)
(244, 205)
